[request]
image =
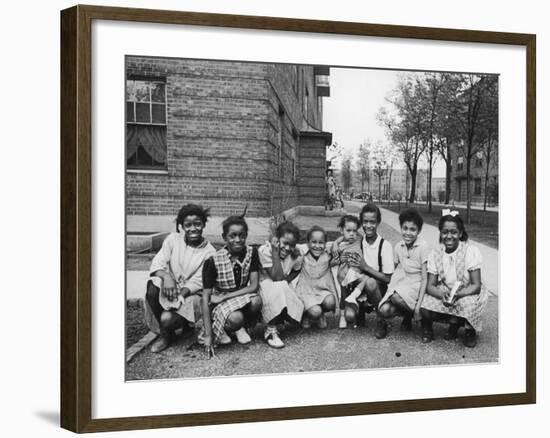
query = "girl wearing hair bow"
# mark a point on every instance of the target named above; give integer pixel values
(454, 292)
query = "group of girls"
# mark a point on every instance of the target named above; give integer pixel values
(223, 294)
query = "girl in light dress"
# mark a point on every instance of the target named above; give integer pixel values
(316, 287)
(408, 284)
(280, 265)
(173, 295)
(454, 293)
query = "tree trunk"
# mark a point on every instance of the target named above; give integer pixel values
(487, 174)
(468, 192)
(430, 171)
(448, 171)
(413, 184)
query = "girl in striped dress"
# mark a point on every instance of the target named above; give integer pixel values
(230, 281)
(454, 292)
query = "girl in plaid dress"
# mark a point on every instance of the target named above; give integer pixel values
(316, 287)
(280, 264)
(230, 280)
(454, 292)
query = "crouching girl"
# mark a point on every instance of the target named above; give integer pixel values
(316, 287)
(408, 284)
(172, 299)
(230, 281)
(454, 292)
(280, 265)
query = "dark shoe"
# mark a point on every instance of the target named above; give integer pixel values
(452, 332)
(406, 324)
(381, 329)
(470, 338)
(161, 343)
(427, 332)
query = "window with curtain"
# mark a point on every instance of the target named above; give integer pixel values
(146, 124)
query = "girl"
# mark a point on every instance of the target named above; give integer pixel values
(316, 286)
(352, 282)
(230, 280)
(454, 291)
(408, 285)
(280, 264)
(172, 299)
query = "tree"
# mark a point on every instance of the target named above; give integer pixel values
(429, 87)
(468, 109)
(403, 125)
(346, 171)
(363, 163)
(382, 159)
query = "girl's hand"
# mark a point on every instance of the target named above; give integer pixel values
(169, 289)
(274, 245)
(356, 261)
(446, 299)
(209, 347)
(216, 299)
(417, 315)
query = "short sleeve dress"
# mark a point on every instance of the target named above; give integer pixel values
(452, 267)
(278, 295)
(315, 282)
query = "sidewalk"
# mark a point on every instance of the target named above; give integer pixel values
(431, 235)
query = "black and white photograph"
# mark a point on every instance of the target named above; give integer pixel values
(289, 218)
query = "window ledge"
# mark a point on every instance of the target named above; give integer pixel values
(148, 171)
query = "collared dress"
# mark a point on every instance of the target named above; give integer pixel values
(407, 277)
(452, 267)
(278, 295)
(224, 275)
(185, 263)
(316, 281)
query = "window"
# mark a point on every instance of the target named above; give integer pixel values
(293, 164)
(477, 186)
(145, 124)
(479, 159)
(460, 163)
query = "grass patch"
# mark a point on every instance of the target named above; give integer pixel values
(483, 226)
(135, 323)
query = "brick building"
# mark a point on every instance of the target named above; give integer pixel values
(222, 134)
(478, 172)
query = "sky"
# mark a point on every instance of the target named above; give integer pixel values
(349, 113)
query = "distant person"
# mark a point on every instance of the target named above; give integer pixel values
(408, 284)
(454, 293)
(330, 184)
(173, 299)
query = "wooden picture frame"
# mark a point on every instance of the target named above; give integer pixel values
(76, 217)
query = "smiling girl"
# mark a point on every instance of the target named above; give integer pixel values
(281, 264)
(408, 285)
(230, 280)
(172, 299)
(315, 285)
(455, 293)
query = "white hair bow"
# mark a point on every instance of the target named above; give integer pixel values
(449, 212)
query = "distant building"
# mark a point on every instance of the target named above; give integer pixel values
(478, 172)
(223, 134)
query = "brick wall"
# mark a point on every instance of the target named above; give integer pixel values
(223, 133)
